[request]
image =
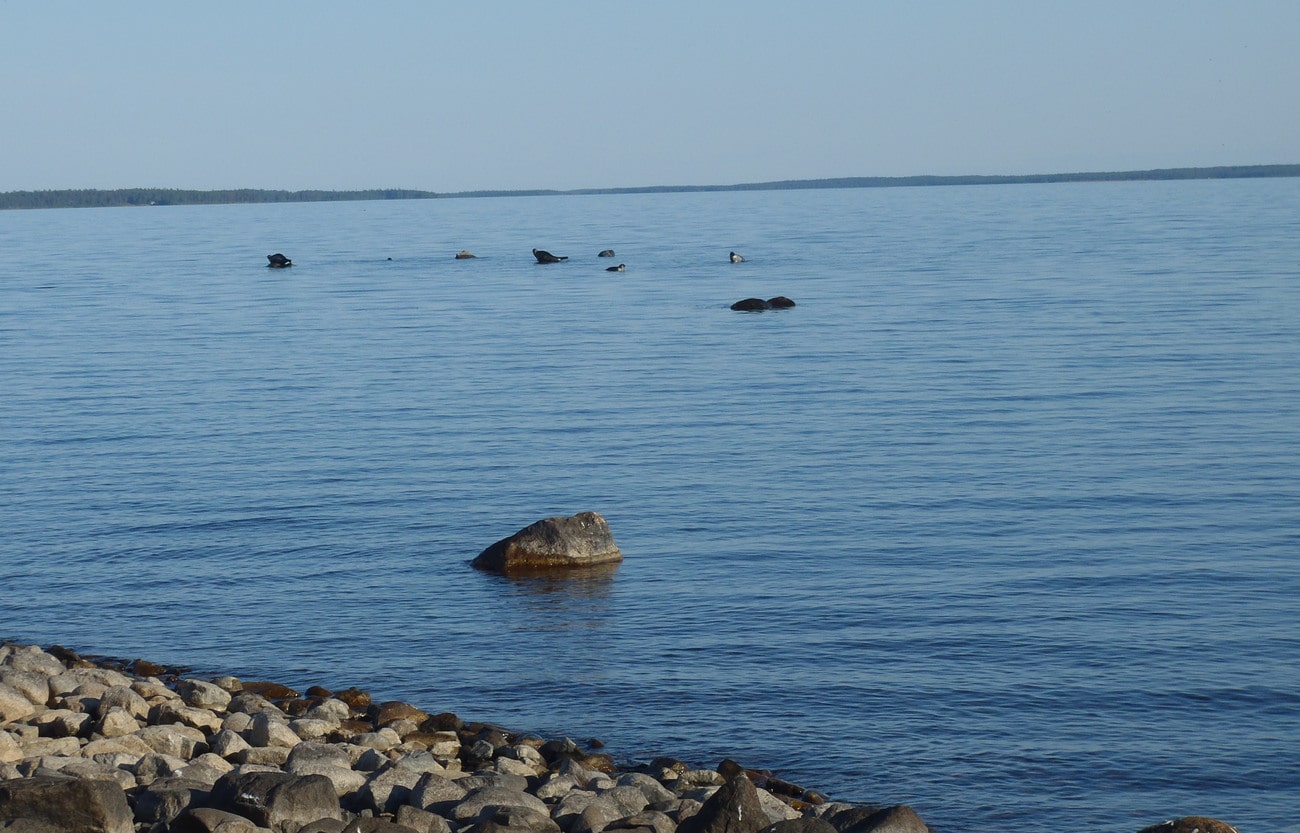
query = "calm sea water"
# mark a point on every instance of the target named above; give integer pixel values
(1001, 521)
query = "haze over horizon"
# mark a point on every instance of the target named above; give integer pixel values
(512, 96)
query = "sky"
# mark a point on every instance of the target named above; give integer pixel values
(504, 95)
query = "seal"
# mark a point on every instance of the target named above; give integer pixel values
(278, 261)
(546, 257)
(735, 258)
(619, 268)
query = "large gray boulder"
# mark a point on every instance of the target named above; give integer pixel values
(70, 805)
(277, 800)
(583, 540)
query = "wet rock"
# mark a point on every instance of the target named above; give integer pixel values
(464, 254)
(1191, 824)
(278, 261)
(606, 253)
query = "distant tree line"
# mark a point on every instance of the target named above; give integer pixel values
(89, 198)
(92, 198)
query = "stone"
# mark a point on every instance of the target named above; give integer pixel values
(606, 253)
(31, 684)
(278, 800)
(465, 254)
(164, 800)
(153, 767)
(209, 820)
(544, 256)
(389, 788)
(1191, 824)
(122, 698)
(421, 821)
(750, 305)
(515, 820)
(14, 705)
(173, 739)
(68, 805)
(203, 695)
(32, 658)
(228, 743)
(734, 808)
(309, 758)
(396, 710)
(488, 799)
(599, 813)
(780, 302)
(268, 730)
(204, 720)
(278, 261)
(436, 793)
(897, 819)
(652, 821)
(800, 825)
(11, 750)
(583, 540)
(649, 787)
(775, 808)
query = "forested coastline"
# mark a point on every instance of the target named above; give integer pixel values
(94, 198)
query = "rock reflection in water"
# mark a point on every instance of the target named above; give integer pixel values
(572, 599)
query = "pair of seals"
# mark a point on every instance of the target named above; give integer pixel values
(546, 257)
(758, 304)
(278, 261)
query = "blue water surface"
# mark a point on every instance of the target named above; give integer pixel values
(1002, 521)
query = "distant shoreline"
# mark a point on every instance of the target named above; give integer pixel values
(95, 198)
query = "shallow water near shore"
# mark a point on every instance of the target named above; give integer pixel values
(1002, 521)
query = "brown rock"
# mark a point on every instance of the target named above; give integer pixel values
(395, 710)
(271, 691)
(355, 698)
(897, 819)
(1191, 824)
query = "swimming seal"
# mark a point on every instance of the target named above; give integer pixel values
(278, 261)
(735, 258)
(618, 268)
(546, 257)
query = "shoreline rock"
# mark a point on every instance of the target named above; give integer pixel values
(91, 745)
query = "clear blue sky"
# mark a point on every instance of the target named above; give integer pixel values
(500, 95)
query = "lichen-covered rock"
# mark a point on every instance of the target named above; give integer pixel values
(583, 540)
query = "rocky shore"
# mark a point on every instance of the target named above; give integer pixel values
(92, 745)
